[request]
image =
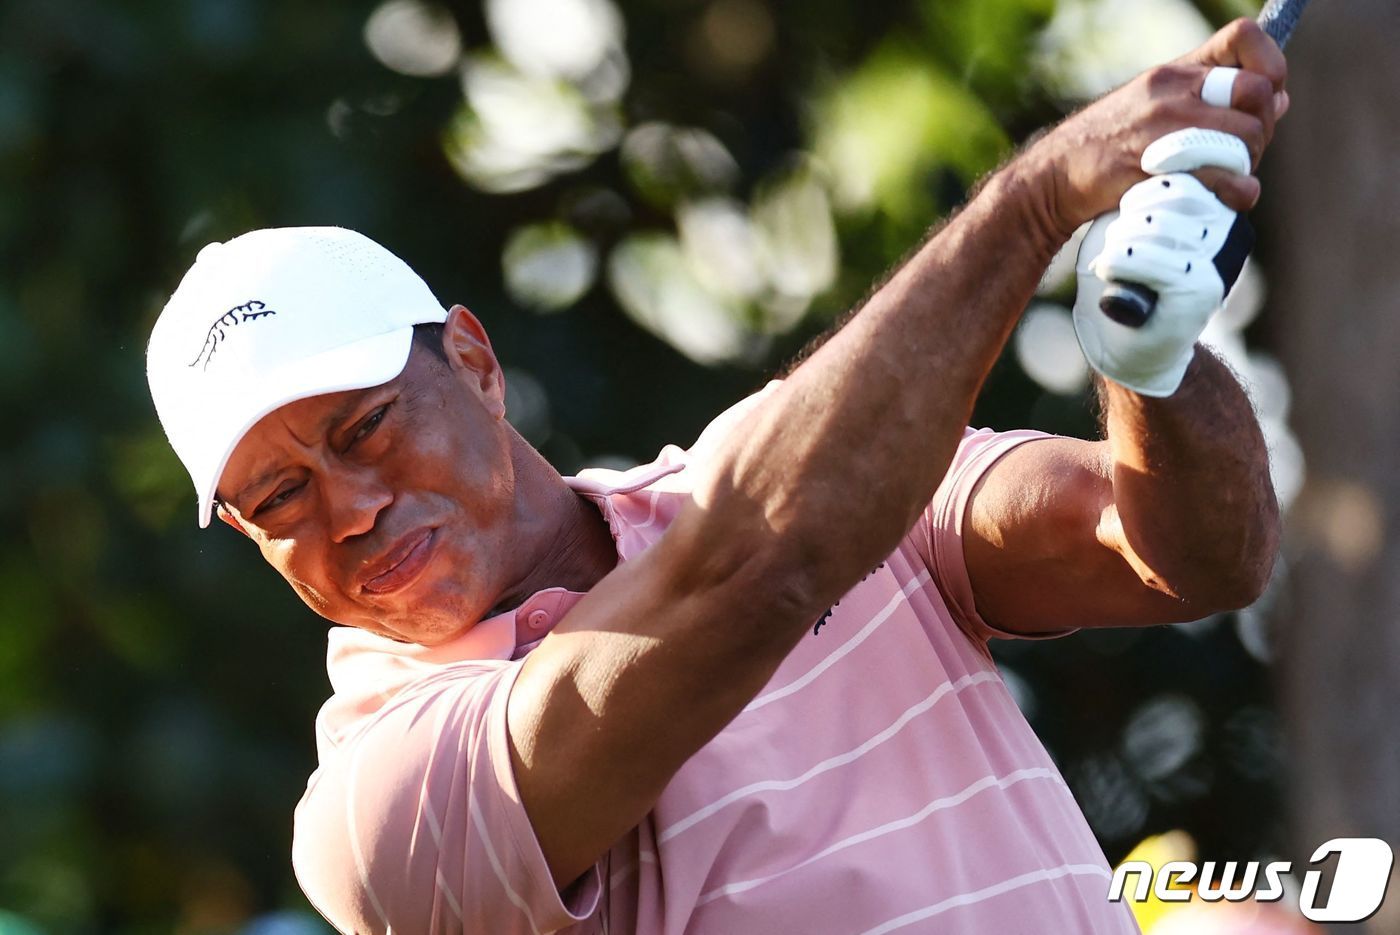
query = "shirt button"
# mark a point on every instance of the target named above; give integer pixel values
(538, 619)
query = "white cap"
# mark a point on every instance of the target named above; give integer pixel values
(271, 317)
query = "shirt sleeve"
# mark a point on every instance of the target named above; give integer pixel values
(939, 533)
(416, 825)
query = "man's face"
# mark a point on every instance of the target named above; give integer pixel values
(390, 508)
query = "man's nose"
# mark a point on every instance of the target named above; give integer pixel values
(355, 495)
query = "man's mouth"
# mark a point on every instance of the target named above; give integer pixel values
(400, 564)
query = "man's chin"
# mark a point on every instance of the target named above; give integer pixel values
(437, 637)
(414, 633)
(427, 623)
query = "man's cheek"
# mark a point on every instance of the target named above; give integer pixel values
(313, 597)
(282, 554)
(293, 563)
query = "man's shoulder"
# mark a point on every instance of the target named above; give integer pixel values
(639, 503)
(371, 674)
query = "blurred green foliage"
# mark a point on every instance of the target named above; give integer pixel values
(158, 684)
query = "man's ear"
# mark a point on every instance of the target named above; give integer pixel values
(227, 516)
(470, 356)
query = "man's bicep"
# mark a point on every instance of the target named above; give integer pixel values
(946, 523)
(1044, 547)
(416, 823)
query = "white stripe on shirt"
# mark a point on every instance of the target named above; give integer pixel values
(617, 879)
(977, 896)
(850, 756)
(352, 829)
(844, 649)
(937, 805)
(479, 823)
(435, 827)
(651, 517)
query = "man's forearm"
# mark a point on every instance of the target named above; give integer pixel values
(833, 468)
(836, 465)
(1200, 447)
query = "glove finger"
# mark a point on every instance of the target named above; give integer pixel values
(1196, 148)
(1175, 212)
(1093, 243)
(1190, 238)
(1179, 191)
(1149, 263)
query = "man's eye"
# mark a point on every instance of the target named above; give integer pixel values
(278, 499)
(371, 422)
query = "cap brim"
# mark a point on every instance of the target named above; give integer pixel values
(365, 363)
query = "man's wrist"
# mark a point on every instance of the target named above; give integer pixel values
(1026, 186)
(1162, 385)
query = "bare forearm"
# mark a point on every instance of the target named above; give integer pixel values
(837, 464)
(1195, 503)
(858, 438)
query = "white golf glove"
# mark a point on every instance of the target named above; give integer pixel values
(1167, 235)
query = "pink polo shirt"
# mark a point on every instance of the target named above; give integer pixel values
(882, 781)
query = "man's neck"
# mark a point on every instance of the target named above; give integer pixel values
(576, 548)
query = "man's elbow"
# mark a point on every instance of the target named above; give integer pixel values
(1233, 578)
(1244, 586)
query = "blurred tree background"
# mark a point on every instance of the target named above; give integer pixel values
(651, 204)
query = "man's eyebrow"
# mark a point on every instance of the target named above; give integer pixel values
(253, 484)
(237, 499)
(353, 401)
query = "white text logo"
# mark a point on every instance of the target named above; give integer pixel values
(1358, 883)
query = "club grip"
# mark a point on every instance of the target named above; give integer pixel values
(1132, 304)
(1128, 303)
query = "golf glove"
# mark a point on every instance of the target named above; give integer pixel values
(1172, 235)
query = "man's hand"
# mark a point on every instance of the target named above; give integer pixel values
(1088, 161)
(1166, 236)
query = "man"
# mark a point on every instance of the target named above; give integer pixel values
(745, 688)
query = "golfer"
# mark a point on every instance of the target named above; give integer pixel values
(744, 688)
